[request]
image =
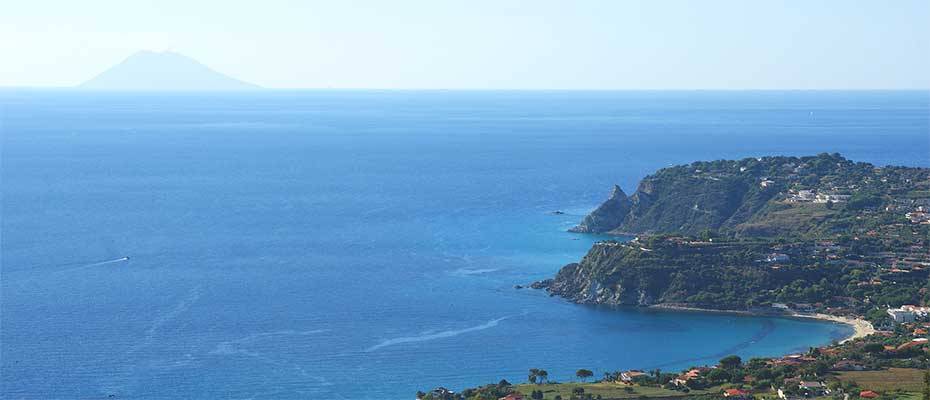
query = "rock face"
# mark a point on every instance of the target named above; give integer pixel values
(687, 199)
(597, 280)
(608, 215)
(668, 271)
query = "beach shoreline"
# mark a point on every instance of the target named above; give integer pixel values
(861, 327)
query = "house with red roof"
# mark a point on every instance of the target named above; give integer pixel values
(629, 376)
(737, 394)
(694, 373)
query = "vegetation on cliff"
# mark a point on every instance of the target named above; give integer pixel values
(834, 235)
(743, 275)
(756, 197)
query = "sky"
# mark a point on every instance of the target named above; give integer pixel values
(483, 44)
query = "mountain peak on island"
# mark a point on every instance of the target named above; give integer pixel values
(617, 193)
(608, 215)
(163, 71)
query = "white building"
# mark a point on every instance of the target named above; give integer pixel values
(777, 257)
(802, 196)
(833, 198)
(919, 312)
(901, 316)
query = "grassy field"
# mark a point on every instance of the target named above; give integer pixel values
(606, 390)
(911, 380)
(788, 218)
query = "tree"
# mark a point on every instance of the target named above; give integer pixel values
(533, 375)
(730, 362)
(821, 368)
(873, 348)
(707, 235)
(718, 375)
(584, 374)
(543, 375)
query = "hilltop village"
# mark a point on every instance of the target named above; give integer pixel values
(800, 237)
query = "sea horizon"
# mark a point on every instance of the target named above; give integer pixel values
(463, 89)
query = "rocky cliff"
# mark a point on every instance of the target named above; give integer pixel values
(724, 195)
(665, 272)
(608, 215)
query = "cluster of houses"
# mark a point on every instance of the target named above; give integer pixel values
(801, 196)
(630, 376)
(693, 373)
(441, 393)
(831, 198)
(807, 388)
(777, 258)
(811, 196)
(913, 343)
(908, 313)
(792, 360)
(921, 215)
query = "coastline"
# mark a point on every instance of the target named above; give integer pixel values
(861, 327)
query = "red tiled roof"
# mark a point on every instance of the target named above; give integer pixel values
(735, 392)
(868, 394)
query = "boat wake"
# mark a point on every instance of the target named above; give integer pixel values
(34, 273)
(130, 361)
(236, 346)
(433, 336)
(476, 271)
(115, 260)
(94, 264)
(239, 347)
(167, 317)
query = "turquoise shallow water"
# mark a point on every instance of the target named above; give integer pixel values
(363, 245)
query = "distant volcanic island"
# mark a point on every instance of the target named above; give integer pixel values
(163, 71)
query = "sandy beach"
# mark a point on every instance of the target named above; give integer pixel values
(862, 328)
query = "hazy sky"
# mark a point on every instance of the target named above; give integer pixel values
(571, 44)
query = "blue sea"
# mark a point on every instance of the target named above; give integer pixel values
(363, 244)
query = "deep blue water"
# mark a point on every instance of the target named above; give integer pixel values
(363, 245)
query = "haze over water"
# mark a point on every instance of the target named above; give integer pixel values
(363, 244)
